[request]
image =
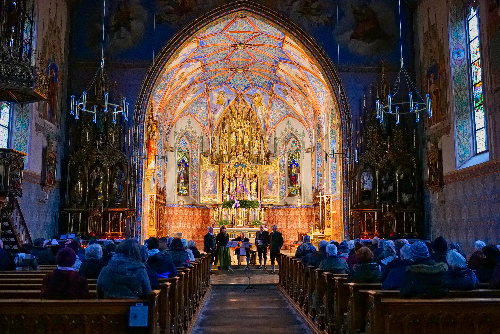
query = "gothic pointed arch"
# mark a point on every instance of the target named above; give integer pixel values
(244, 50)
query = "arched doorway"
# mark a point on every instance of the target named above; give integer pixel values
(224, 99)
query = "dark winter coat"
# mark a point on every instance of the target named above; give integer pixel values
(495, 278)
(276, 241)
(179, 257)
(91, 268)
(44, 255)
(209, 243)
(476, 260)
(153, 277)
(65, 284)
(425, 279)
(6, 260)
(485, 273)
(439, 257)
(162, 263)
(351, 259)
(196, 252)
(334, 264)
(386, 269)
(263, 237)
(395, 276)
(315, 258)
(461, 279)
(123, 278)
(365, 273)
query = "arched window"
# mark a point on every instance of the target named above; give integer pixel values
(476, 82)
(183, 169)
(294, 171)
(4, 124)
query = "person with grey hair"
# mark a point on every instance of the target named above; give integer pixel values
(395, 275)
(305, 248)
(92, 265)
(192, 247)
(476, 260)
(190, 253)
(459, 277)
(333, 263)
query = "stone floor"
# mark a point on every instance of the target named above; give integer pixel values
(240, 276)
(229, 309)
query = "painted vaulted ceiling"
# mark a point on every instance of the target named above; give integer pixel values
(241, 56)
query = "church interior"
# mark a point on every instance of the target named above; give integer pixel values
(331, 120)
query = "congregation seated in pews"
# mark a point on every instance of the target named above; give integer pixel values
(419, 283)
(98, 297)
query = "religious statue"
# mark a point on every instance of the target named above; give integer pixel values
(97, 182)
(225, 185)
(118, 185)
(253, 185)
(77, 189)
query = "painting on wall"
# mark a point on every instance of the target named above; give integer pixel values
(270, 183)
(209, 181)
(434, 79)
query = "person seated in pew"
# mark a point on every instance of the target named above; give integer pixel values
(108, 251)
(161, 263)
(75, 246)
(153, 276)
(305, 248)
(396, 262)
(351, 260)
(477, 258)
(162, 244)
(92, 265)
(24, 260)
(65, 282)
(186, 248)
(125, 276)
(315, 258)
(395, 276)
(424, 278)
(440, 249)
(343, 249)
(178, 253)
(484, 271)
(192, 247)
(6, 260)
(42, 253)
(333, 263)
(388, 255)
(459, 277)
(366, 270)
(456, 246)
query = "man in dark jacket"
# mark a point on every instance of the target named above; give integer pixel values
(161, 263)
(424, 278)
(315, 258)
(42, 254)
(209, 245)
(262, 241)
(395, 277)
(276, 244)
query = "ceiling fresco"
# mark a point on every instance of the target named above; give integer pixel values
(241, 56)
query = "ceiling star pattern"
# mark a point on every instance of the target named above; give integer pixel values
(241, 56)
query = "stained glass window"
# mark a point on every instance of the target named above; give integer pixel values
(4, 124)
(183, 169)
(476, 82)
(294, 172)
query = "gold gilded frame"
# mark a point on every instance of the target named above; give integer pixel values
(273, 167)
(206, 167)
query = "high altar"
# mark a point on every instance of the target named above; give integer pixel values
(242, 126)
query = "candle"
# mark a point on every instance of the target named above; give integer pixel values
(106, 102)
(389, 102)
(429, 105)
(72, 104)
(411, 101)
(377, 107)
(126, 113)
(84, 100)
(95, 113)
(397, 115)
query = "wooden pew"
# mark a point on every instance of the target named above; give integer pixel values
(30, 294)
(31, 286)
(433, 316)
(37, 280)
(106, 316)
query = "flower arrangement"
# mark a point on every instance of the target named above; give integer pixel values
(242, 203)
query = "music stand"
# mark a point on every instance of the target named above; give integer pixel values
(249, 286)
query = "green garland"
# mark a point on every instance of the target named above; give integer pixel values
(257, 223)
(223, 222)
(243, 203)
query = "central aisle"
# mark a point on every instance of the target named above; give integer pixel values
(228, 309)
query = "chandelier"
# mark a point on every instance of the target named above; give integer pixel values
(397, 103)
(101, 99)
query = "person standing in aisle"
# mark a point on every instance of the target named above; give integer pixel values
(262, 241)
(276, 244)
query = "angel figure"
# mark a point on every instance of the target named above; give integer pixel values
(219, 102)
(258, 104)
